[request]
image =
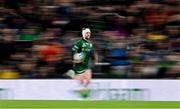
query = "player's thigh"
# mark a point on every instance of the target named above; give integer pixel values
(78, 77)
(87, 74)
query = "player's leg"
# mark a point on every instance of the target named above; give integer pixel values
(79, 77)
(87, 76)
(84, 78)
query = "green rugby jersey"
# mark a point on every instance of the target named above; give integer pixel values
(87, 49)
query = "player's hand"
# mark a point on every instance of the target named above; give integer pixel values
(77, 61)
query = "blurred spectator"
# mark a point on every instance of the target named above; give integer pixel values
(8, 72)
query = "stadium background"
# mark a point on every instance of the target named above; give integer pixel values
(134, 39)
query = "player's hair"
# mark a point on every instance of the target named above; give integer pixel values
(85, 28)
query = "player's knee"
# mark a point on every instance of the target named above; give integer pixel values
(88, 70)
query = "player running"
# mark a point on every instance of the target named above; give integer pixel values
(81, 68)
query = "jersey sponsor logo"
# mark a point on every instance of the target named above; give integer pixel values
(84, 45)
(86, 49)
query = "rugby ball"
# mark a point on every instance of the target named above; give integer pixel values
(78, 56)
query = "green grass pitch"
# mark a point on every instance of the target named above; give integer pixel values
(87, 104)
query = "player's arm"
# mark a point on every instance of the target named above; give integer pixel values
(76, 49)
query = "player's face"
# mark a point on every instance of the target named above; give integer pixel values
(87, 35)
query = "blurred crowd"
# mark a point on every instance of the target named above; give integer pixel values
(132, 38)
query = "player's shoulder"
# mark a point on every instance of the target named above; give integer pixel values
(81, 39)
(78, 41)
